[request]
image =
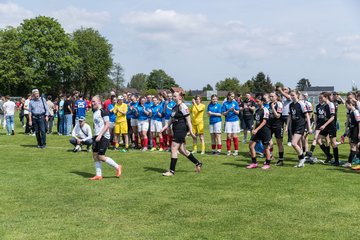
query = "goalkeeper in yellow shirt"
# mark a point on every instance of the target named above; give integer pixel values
(121, 126)
(197, 120)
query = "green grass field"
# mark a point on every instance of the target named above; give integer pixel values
(46, 194)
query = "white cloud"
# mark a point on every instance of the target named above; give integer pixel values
(164, 28)
(323, 51)
(72, 18)
(12, 14)
(350, 47)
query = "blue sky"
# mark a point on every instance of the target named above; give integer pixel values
(199, 42)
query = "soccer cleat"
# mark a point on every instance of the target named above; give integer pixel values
(123, 150)
(194, 151)
(335, 163)
(266, 166)
(152, 149)
(218, 153)
(228, 153)
(280, 163)
(329, 158)
(168, 174)
(118, 171)
(243, 141)
(202, 153)
(198, 167)
(161, 149)
(235, 153)
(289, 144)
(346, 165)
(144, 149)
(252, 165)
(356, 167)
(213, 152)
(96, 178)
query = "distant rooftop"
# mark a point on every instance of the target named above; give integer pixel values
(320, 88)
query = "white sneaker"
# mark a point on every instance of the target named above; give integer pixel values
(347, 165)
(289, 144)
(235, 153)
(228, 153)
(168, 174)
(301, 163)
(202, 153)
(243, 141)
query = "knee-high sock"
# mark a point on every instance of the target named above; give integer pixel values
(219, 146)
(336, 154)
(193, 159)
(111, 162)
(98, 168)
(351, 156)
(228, 144)
(161, 142)
(154, 142)
(173, 164)
(236, 143)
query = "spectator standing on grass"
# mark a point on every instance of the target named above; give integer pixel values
(26, 114)
(101, 139)
(21, 108)
(9, 111)
(2, 118)
(81, 135)
(80, 106)
(38, 117)
(51, 107)
(68, 112)
(61, 116)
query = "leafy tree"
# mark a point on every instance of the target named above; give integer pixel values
(50, 54)
(13, 77)
(229, 84)
(261, 84)
(158, 79)
(138, 81)
(94, 50)
(302, 84)
(151, 92)
(208, 87)
(117, 76)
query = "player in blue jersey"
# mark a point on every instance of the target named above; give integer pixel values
(156, 124)
(214, 113)
(230, 109)
(168, 106)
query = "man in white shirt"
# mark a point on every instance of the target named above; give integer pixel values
(2, 119)
(81, 135)
(9, 111)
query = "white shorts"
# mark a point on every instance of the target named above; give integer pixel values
(143, 125)
(134, 122)
(215, 128)
(155, 126)
(111, 125)
(232, 127)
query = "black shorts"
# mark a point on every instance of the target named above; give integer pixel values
(354, 135)
(247, 122)
(101, 146)
(179, 136)
(277, 131)
(297, 128)
(329, 130)
(264, 135)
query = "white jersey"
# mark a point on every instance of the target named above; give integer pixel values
(286, 104)
(83, 133)
(100, 117)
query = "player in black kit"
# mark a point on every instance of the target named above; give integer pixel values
(299, 119)
(181, 125)
(261, 132)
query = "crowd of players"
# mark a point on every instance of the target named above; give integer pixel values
(145, 123)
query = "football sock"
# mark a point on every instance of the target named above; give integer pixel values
(336, 154)
(228, 144)
(219, 146)
(213, 147)
(203, 147)
(173, 164)
(253, 160)
(111, 162)
(281, 155)
(351, 156)
(236, 143)
(98, 168)
(192, 158)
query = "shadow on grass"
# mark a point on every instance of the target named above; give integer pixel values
(344, 170)
(29, 145)
(236, 164)
(160, 170)
(83, 174)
